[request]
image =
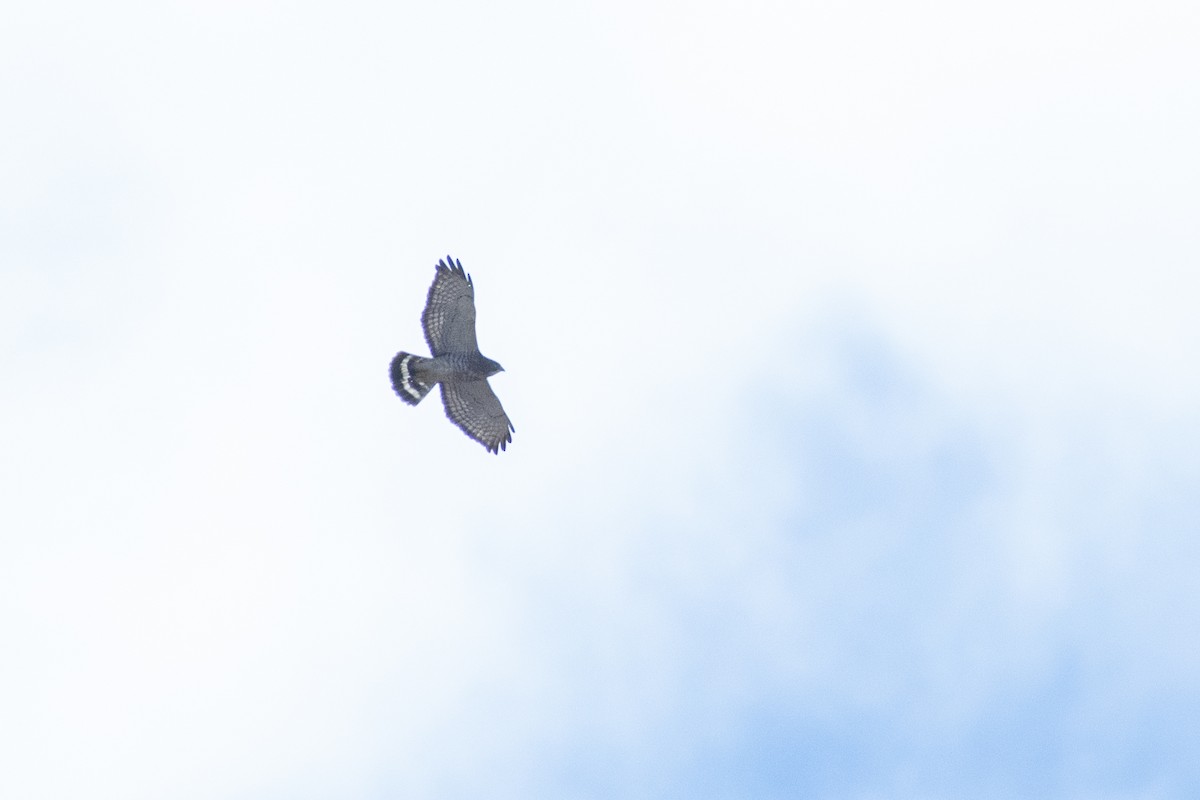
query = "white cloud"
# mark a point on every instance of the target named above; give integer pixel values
(233, 562)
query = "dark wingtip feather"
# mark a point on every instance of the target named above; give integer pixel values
(452, 264)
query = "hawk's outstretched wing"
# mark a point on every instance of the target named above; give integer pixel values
(449, 318)
(474, 407)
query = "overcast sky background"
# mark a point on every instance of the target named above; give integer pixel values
(852, 353)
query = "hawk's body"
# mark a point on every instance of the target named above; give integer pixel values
(457, 364)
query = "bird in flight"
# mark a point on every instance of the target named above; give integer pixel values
(457, 364)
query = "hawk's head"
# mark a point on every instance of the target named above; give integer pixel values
(489, 366)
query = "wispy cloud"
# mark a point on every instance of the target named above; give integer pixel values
(850, 353)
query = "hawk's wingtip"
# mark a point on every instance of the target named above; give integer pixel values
(452, 264)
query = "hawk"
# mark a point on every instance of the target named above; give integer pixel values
(457, 364)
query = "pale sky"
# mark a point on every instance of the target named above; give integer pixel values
(851, 350)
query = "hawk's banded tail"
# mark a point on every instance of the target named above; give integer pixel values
(411, 390)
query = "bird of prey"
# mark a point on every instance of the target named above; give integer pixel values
(457, 364)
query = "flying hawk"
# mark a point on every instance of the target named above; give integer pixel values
(457, 364)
